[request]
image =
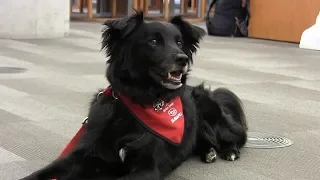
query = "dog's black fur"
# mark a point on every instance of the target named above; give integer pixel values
(214, 120)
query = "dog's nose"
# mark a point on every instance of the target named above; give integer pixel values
(182, 59)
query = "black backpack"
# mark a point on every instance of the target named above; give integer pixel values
(229, 19)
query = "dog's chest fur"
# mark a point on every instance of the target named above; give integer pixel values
(140, 143)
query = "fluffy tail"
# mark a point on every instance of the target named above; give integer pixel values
(230, 104)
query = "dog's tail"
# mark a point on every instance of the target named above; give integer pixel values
(231, 105)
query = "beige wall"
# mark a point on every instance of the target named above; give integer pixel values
(34, 18)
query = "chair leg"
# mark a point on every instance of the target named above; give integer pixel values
(193, 5)
(141, 4)
(135, 4)
(89, 6)
(202, 8)
(166, 10)
(185, 7)
(81, 5)
(145, 7)
(182, 4)
(114, 8)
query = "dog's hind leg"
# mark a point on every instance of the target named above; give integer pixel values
(232, 127)
(209, 113)
(222, 125)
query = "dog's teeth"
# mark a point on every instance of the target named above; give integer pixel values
(122, 154)
(178, 78)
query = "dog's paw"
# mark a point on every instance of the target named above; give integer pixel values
(210, 156)
(230, 156)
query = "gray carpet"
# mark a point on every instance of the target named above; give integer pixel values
(43, 104)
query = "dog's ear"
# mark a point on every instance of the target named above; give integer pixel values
(191, 34)
(115, 32)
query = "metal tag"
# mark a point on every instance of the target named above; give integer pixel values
(158, 106)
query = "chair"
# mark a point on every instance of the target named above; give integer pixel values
(166, 7)
(111, 4)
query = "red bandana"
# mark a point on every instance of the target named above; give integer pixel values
(165, 119)
(73, 142)
(71, 145)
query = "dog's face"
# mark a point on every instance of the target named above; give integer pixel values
(157, 51)
(160, 48)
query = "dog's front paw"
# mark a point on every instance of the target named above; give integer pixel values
(230, 156)
(210, 156)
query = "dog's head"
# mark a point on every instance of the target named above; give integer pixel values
(158, 54)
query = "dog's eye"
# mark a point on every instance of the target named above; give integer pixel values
(179, 43)
(153, 42)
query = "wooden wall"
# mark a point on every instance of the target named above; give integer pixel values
(283, 20)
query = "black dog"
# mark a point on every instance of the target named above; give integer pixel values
(149, 121)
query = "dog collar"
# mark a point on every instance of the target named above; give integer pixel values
(164, 119)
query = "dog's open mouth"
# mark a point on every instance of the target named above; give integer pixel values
(174, 76)
(170, 80)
